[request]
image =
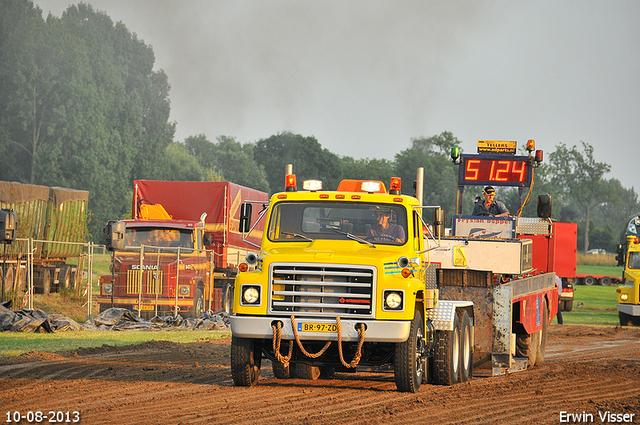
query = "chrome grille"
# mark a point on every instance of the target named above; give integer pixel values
(152, 279)
(322, 290)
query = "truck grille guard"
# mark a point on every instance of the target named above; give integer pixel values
(152, 280)
(322, 290)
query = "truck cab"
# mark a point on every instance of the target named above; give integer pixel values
(340, 283)
(629, 292)
(159, 267)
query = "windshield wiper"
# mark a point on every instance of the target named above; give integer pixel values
(296, 235)
(355, 238)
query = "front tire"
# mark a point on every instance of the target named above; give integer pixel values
(246, 358)
(625, 319)
(409, 366)
(568, 306)
(198, 304)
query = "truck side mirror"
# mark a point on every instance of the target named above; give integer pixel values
(245, 217)
(438, 222)
(544, 206)
(207, 239)
(620, 255)
(8, 225)
(114, 235)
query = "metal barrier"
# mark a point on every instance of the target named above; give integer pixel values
(157, 281)
(27, 267)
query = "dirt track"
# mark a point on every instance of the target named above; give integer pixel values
(587, 369)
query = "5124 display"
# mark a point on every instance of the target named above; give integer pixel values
(495, 170)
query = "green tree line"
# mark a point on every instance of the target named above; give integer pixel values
(82, 107)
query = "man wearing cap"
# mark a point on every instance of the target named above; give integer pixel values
(489, 206)
(383, 231)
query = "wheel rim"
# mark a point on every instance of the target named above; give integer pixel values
(420, 354)
(466, 347)
(199, 306)
(456, 351)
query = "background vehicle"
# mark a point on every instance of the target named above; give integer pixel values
(629, 293)
(54, 219)
(326, 297)
(179, 253)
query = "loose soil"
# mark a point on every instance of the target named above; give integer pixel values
(587, 369)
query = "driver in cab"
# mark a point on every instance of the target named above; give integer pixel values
(489, 206)
(383, 231)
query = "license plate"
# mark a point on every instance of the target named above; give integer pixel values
(317, 327)
(144, 307)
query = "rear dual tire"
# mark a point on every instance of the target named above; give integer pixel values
(533, 346)
(453, 360)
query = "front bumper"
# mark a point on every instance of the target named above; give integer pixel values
(566, 296)
(630, 309)
(376, 330)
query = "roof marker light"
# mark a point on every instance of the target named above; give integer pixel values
(370, 187)
(312, 185)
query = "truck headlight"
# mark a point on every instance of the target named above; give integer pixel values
(624, 297)
(107, 288)
(392, 300)
(251, 294)
(184, 290)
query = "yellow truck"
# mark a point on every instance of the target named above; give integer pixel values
(357, 280)
(629, 292)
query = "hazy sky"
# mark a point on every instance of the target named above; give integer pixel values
(365, 77)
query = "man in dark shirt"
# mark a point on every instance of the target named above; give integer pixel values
(489, 206)
(383, 230)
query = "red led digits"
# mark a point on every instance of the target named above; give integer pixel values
(473, 170)
(521, 171)
(502, 172)
(495, 170)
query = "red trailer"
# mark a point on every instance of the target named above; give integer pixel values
(599, 279)
(558, 253)
(221, 202)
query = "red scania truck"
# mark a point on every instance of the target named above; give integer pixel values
(180, 251)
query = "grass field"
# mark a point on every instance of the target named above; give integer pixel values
(593, 305)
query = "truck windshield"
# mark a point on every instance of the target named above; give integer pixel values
(308, 221)
(634, 260)
(158, 237)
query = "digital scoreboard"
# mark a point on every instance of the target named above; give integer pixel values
(495, 170)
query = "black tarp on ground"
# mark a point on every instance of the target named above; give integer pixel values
(113, 319)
